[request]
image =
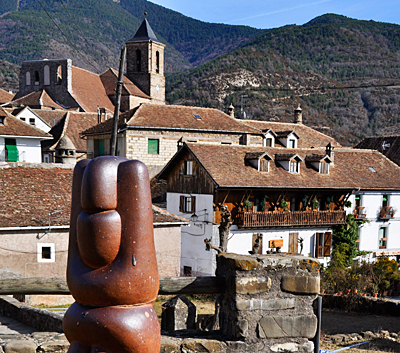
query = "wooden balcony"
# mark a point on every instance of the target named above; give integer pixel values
(289, 219)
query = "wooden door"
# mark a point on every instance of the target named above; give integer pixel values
(293, 243)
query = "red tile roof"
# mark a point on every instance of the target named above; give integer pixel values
(387, 145)
(308, 137)
(36, 99)
(29, 192)
(176, 117)
(226, 166)
(110, 79)
(51, 117)
(88, 90)
(72, 124)
(16, 127)
(5, 96)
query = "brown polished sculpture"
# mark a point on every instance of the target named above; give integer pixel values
(112, 268)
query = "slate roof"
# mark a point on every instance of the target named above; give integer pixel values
(36, 99)
(88, 90)
(227, 168)
(109, 78)
(5, 96)
(29, 192)
(71, 125)
(16, 127)
(308, 137)
(144, 34)
(175, 117)
(391, 149)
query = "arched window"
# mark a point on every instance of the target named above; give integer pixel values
(46, 74)
(28, 78)
(138, 60)
(37, 78)
(157, 62)
(59, 75)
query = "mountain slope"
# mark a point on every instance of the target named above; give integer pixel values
(301, 64)
(104, 26)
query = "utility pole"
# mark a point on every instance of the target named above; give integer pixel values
(113, 144)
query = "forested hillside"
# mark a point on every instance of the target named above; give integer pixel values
(307, 64)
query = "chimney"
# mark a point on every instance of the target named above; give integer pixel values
(330, 153)
(231, 111)
(298, 116)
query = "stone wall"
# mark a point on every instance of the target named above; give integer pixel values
(269, 301)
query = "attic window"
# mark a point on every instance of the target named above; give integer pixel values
(372, 169)
(197, 116)
(293, 166)
(292, 143)
(264, 165)
(1, 120)
(324, 168)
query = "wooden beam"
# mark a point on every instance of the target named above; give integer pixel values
(168, 285)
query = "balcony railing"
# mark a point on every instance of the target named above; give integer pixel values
(289, 219)
(386, 212)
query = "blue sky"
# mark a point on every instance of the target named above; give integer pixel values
(273, 13)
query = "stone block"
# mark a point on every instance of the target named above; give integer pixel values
(54, 346)
(242, 328)
(196, 345)
(170, 345)
(264, 304)
(20, 346)
(179, 313)
(300, 284)
(307, 347)
(252, 285)
(287, 326)
(239, 262)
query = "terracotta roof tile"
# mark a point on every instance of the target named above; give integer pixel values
(109, 78)
(36, 99)
(163, 216)
(72, 124)
(308, 137)
(16, 127)
(5, 96)
(29, 192)
(88, 90)
(51, 117)
(226, 165)
(176, 117)
(387, 145)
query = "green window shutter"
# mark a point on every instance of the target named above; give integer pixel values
(153, 146)
(12, 151)
(101, 147)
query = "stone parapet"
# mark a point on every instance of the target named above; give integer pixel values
(269, 301)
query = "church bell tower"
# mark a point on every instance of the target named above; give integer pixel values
(145, 63)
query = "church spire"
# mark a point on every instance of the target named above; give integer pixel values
(144, 34)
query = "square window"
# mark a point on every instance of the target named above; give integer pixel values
(187, 204)
(187, 271)
(153, 146)
(32, 121)
(46, 252)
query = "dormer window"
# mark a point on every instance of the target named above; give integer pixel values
(288, 139)
(269, 138)
(1, 120)
(258, 160)
(319, 162)
(294, 166)
(290, 162)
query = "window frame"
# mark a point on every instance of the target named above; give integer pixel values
(150, 149)
(189, 170)
(323, 244)
(40, 247)
(323, 168)
(187, 204)
(295, 163)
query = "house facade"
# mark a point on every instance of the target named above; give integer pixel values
(19, 141)
(278, 197)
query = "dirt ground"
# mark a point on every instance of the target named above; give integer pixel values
(336, 322)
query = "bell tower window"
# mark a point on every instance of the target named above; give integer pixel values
(158, 62)
(46, 75)
(28, 78)
(36, 78)
(138, 60)
(59, 75)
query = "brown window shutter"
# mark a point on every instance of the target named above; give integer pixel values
(181, 202)
(327, 243)
(319, 237)
(193, 204)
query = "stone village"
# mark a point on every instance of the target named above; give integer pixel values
(284, 184)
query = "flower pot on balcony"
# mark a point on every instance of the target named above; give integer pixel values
(375, 295)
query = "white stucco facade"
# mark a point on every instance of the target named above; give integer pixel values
(29, 117)
(29, 149)
(378, 228)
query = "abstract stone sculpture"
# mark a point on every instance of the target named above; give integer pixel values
(112, 268)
